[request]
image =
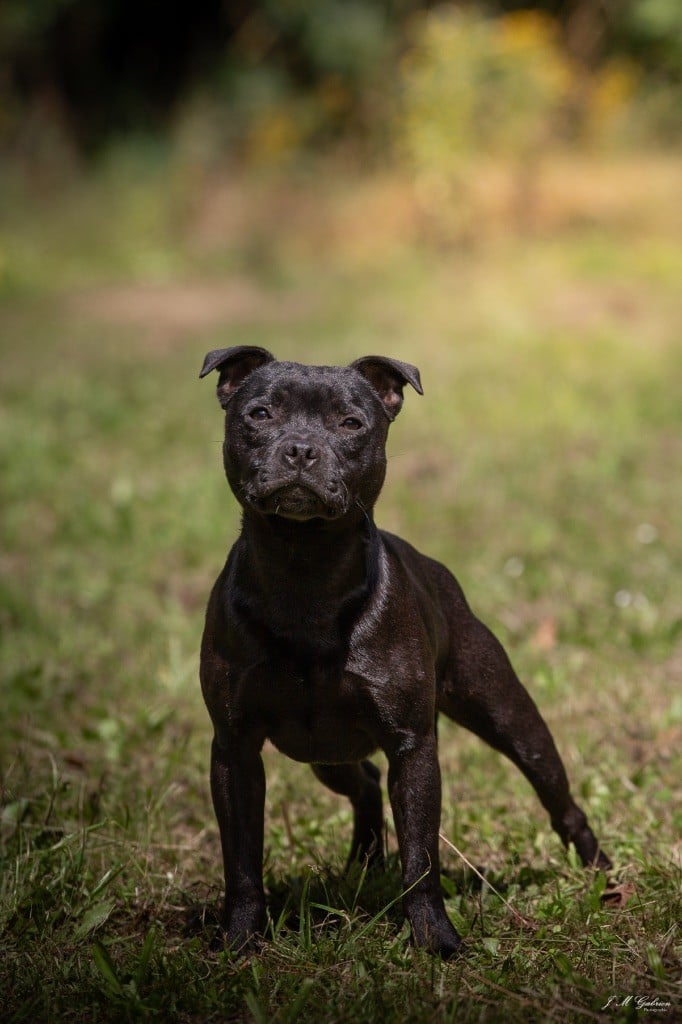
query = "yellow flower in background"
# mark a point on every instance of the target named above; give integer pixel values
(613, 90)
(273, 136)
(534, 38)
(472, 84)
(528, 30)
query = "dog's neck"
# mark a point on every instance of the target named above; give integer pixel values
(278, 565)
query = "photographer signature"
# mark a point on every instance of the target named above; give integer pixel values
(647, 1004)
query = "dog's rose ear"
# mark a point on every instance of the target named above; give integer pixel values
(388, 378)
(234, 364)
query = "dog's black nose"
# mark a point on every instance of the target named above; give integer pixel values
(300, 452)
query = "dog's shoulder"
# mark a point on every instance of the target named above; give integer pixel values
(423, 571)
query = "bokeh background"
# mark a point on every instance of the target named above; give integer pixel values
(470, 120)
(489, 191)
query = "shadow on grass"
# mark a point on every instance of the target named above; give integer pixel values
(326, 901)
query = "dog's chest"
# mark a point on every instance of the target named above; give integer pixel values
(317, 716)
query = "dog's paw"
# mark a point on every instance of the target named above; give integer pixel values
(602, 862)
(450, 949)
(236, 943)
(447, 947)
(433, 931)
(242, 929)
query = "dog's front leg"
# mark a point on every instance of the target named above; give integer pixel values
(238, 791)
(414, 790)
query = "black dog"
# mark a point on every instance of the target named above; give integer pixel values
(332, 638)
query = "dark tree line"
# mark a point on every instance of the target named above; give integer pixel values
(105, 67)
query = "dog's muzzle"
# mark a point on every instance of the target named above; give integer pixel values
(298, 480)
(299, 499)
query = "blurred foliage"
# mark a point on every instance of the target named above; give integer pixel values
(504, 87)
(473, 84)
(650, 32)
(297, 74)
(269, 77)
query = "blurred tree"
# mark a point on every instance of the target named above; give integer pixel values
(105, 66)
(646, 31)
(97, 68)
(475, 87)
(650, 32)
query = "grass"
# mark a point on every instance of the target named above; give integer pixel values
(540, 466)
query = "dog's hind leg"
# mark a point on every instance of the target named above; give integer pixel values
(359, 781)
(484, 694)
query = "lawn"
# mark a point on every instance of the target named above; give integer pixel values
(542, 465)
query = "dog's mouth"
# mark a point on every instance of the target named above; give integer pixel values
(298, 502)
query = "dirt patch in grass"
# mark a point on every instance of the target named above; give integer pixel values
(169, 310)
(364, 219)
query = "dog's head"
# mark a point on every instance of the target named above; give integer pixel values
(306, 442)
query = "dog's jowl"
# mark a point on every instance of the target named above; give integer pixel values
(334, 639)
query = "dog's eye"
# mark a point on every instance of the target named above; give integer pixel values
(352, 423)
(259, 413)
